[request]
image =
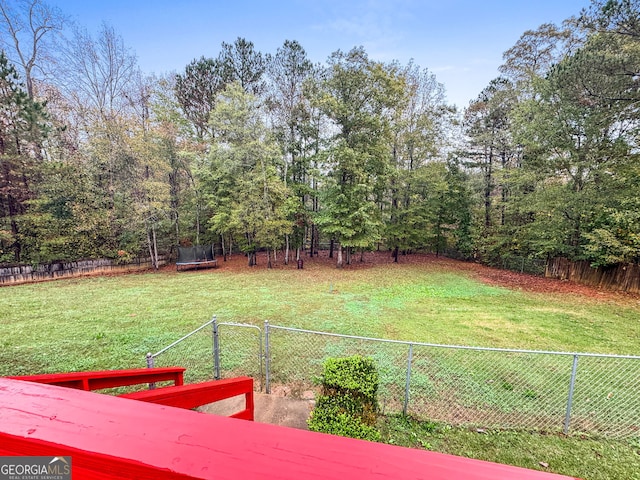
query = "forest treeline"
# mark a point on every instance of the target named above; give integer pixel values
(269, 151)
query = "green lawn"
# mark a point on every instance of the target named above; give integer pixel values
(112, 322)
(584, 458)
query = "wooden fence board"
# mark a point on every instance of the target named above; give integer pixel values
(622, 277)
(51, 271)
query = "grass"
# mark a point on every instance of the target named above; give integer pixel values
(117, 318)
(584, 458)
(112, 322)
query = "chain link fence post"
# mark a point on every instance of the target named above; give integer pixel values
(572, 384)
(150, 365)
(408, 382)
(216, 349)
(267, 360)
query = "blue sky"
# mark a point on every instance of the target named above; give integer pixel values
(461, 41)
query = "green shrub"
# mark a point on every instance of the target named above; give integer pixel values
(333, 420)
(348, 404)
(355, 375)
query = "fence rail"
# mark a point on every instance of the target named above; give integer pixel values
(548, 391)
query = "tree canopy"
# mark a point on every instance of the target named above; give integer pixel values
(268, 151)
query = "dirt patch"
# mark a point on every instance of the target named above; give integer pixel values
(298, 390)
(485, 274)
(533, 283)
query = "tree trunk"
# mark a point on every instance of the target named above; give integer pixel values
(331, 249)
(174, 202)
(439, 233)
(395, 254)
(286, 250)
(252, 253)
(316, 244)
(503, 188)
(224, 252)
(488, 189)
(150, 245)
(269, 258)
(17, 246)
(339, 264)
(313, 239)
(155, 247)
(197, 219)
(176, 219)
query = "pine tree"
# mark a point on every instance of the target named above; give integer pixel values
(22, 131)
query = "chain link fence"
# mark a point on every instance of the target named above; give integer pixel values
(482, 387)
(534, 266)
(194, 351)
(239, 352)
(215, 350)
(464, 386)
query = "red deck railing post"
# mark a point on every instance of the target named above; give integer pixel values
(249, 403)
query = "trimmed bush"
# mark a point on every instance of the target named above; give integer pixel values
(348, 405)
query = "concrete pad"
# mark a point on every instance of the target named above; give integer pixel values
(273, 409)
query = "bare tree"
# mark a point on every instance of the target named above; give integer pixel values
(537, 50)
(25, 33)
(97, 74)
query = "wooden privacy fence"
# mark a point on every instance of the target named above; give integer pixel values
(623, 277)
(38, 273)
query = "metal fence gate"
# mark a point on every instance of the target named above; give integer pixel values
(215, 350)
(237, 350)
(194, 351)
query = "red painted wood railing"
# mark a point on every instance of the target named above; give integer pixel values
(197, 394)
(108, 378)
(111, 437)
